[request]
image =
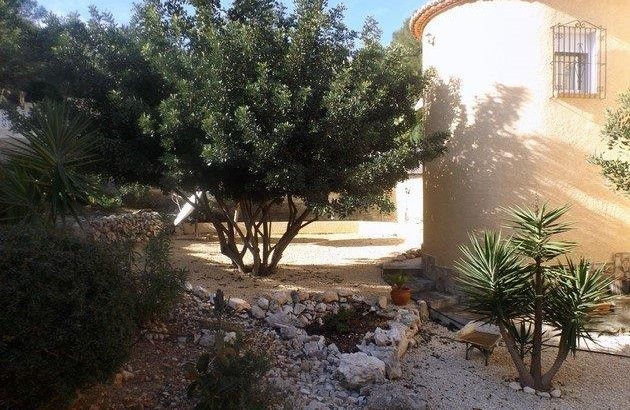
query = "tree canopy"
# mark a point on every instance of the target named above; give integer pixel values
(98, 67)
(269, 105)
(616, 132)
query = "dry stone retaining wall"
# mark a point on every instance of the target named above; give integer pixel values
(137, 226)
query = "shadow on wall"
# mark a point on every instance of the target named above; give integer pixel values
(490, 165)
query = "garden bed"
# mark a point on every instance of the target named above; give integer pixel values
(348, 327)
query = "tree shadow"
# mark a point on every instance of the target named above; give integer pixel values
(355, 266)
(491, 163)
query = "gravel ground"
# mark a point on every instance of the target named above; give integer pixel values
(439, 372)
(314, 263)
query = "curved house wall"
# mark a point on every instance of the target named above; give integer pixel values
(513, 142)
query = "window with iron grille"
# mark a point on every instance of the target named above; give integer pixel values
(579, 60)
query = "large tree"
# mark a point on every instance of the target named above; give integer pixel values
(272, 107)
(97, 66)
(616, 133)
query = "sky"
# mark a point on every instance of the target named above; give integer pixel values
(389, 13)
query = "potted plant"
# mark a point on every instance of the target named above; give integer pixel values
(400, 294)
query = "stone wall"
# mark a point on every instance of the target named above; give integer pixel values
(137, 226)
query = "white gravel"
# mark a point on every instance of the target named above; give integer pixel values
(438, 371)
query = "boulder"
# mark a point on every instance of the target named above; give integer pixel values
(388, 355)
(344, 293)
(358, 369)
(303, 295)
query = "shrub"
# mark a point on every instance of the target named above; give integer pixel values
(158, 285)
(67, 317)
(46, 178)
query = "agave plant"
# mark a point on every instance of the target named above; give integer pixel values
(515, 284)
(45, 178)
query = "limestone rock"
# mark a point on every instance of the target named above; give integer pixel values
(529, 390)
(381, 337)
(239, 304)
(207, 338)
(288, 332)
(358, 369)
(280, 297)
(557, 393)
(298, 309)
(330, 296)
(423, 310)
(515, 386)
(230, 338)
(382, 302)
(388, 355)
(201, 292)
(316, 405)
(257, 312)
(385, 398)
(263, 303)
(279, 319)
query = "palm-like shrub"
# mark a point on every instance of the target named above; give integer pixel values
(45, 178)
(515, 284)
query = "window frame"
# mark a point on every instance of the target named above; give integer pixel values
(573, 78)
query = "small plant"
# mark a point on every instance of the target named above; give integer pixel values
(230, 376)
(158, 283)
(512, 280)
(400, 281)
(401, 294)
(339, 322)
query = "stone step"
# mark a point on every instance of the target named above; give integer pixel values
(436, 300)
(412, 267)
(454, 317)
(415, 283)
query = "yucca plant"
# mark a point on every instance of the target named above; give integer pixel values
(516, 281)
(45, 178)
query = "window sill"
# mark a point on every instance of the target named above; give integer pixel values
(588, 96)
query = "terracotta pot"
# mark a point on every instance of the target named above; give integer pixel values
(401, 296)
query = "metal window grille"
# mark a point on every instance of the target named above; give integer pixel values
(579, 60)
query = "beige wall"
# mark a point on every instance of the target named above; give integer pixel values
(512, 141)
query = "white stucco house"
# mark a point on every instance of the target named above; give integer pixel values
(523, 86)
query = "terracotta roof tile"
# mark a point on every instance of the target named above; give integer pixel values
(422, 16)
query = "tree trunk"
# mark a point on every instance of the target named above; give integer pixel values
(536, 363)
(525, 377)
(563, 352)
(253, 237)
